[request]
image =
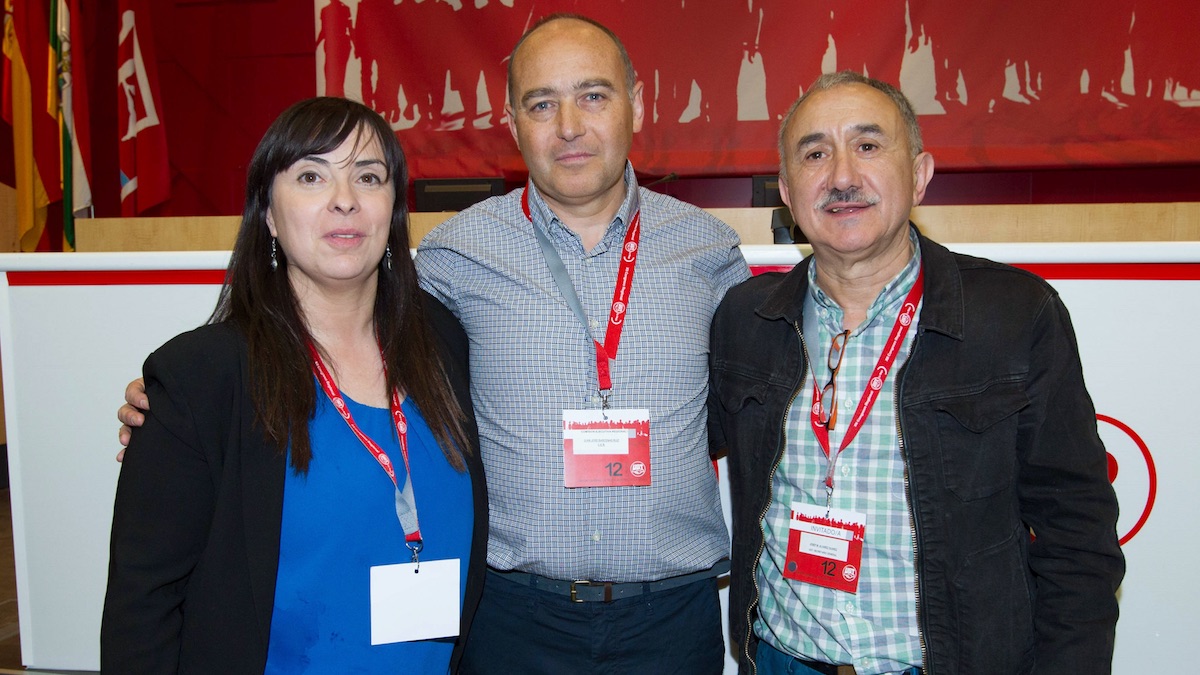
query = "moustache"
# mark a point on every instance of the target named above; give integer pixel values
(853, 195)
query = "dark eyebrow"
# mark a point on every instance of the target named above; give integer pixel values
(869, 129)
(358, 162)
(535, 93)
(809, 139)
(599, 82)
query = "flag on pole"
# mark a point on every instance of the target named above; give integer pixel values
(76, 137)
(145, 172)
(31, 107)
(9, 42)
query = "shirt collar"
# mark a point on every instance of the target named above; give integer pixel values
(829, 312)
(545, 218)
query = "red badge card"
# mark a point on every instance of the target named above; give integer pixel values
(825, 547)
(606, 448)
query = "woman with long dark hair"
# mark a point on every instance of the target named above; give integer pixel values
(305, 494)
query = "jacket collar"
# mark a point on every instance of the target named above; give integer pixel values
(942, 309)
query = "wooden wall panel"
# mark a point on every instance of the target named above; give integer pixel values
(1179, 221)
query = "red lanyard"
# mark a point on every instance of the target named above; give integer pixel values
(882, 367)
(620, 303)
(412, 529)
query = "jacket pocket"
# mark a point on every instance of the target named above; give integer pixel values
(995, 610)
(977, 434)
(743, 412)
(735, 390)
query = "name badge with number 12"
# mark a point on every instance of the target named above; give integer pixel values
(825, 547)
(606, 448)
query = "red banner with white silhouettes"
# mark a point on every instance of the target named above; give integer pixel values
(1016, 84)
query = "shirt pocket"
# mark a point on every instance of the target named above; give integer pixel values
(977, 435)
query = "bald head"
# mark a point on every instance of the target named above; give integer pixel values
(573, 110)
(549, 21)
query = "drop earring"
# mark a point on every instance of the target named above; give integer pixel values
(274, 260)
(387, 257)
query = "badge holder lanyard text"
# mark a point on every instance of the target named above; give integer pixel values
(882, 367)
(406, 504)
(616, 317)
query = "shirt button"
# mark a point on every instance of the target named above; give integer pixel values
(845, 470)
(849, 607)
(594, 398)
(593, 323)
(596, 535)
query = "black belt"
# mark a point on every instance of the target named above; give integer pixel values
(823, 668)
(834, 669)
(607, 591)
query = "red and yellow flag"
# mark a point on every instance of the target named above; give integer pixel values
(31, 107)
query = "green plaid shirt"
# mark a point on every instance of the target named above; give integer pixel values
(875, 629)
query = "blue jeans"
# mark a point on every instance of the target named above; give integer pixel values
(519, 629)
(771, 661)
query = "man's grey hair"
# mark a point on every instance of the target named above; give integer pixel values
(626, 63)
(841, 78)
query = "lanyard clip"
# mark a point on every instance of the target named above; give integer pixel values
(416, 547)
(604, 396)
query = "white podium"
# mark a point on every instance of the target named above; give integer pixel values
(75, 328)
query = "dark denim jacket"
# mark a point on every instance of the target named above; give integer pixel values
(998, 436)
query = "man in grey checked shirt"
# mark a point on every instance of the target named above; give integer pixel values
(588, 579)
(916, 476)
(611, 579)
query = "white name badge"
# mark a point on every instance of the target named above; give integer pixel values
(414, 601)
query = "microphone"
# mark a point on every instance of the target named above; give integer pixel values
(665, 179)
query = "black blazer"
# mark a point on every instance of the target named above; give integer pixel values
(198, 510)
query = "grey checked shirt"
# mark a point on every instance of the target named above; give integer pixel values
(531, 359)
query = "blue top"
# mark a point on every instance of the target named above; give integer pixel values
(340, 520)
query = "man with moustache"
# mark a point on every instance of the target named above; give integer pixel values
(595, 566)
(917, 480)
